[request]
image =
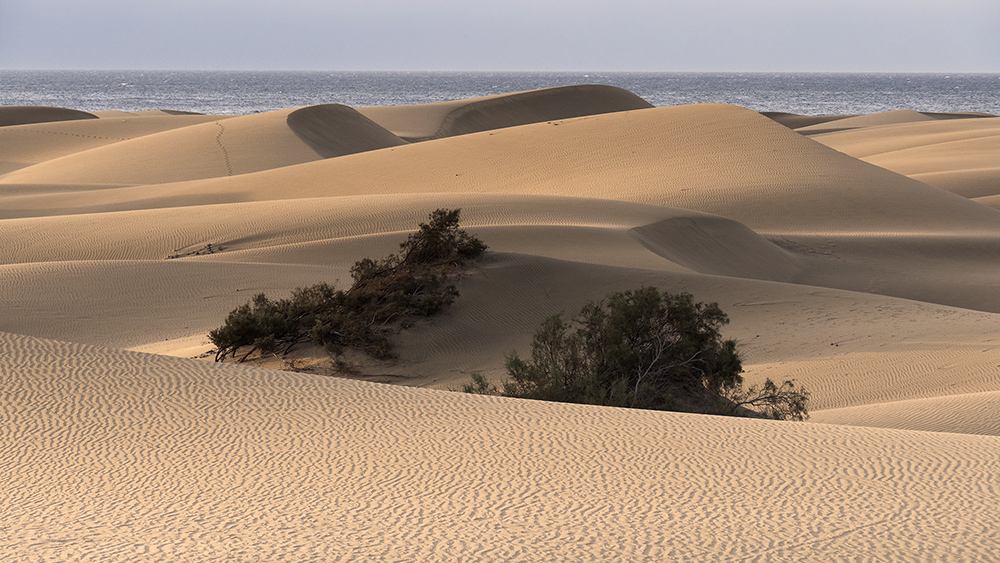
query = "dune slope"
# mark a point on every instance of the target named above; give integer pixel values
(222, 147)
(334, 469)
(960, 156)
(718, 159)
(335, 130)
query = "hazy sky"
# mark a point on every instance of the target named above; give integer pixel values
(578, 35)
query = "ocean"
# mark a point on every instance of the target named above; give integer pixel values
(245, 92)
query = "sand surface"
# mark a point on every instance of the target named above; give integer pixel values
(854, 254)
(957, 155)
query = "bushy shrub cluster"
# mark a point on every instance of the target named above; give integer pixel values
(413, 282)
(643, 349)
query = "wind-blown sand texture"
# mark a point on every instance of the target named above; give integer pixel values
(854, 254)
(958, 155)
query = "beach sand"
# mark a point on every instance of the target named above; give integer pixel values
(853, 254)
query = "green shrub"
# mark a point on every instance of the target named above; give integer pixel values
(642, 349)
(413, 282)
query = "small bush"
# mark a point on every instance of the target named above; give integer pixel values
(643, 349)
(413, 282)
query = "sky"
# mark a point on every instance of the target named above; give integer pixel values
(544, 35)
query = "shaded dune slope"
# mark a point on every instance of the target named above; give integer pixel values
(447, 119)
(716, 245)
(21, 115)
(335, 130)
(125, 303)
(795, 121)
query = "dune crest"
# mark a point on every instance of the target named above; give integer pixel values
(336, 130)
(715, 245)
(893, 117)
(447, 119)
(22, 115)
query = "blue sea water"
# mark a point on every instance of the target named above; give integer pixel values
(244, 92)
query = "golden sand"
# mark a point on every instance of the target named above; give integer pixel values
(854, 254)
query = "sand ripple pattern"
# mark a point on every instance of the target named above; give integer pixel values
(972, 413)
(117, 456)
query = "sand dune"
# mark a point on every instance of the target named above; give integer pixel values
(460, 117)
(861, 121)
(276, 246)
(333, 469)
(861, 263)
(218, 148)
(20, 115)
(795, 121)
(718, 159)
(959, 156)
(335, 130)
(25, 145)
(722, 160)
(974, 413)
(990, 201)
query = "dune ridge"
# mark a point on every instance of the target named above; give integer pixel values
(21, 115)
(863, 121)
(461, 117)
(336, 130)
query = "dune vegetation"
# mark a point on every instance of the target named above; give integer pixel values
(386, 293)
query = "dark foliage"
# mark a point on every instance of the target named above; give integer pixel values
(413, 282)
(643, 349)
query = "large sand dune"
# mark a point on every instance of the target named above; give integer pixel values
(854, 254)
(122, 456)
